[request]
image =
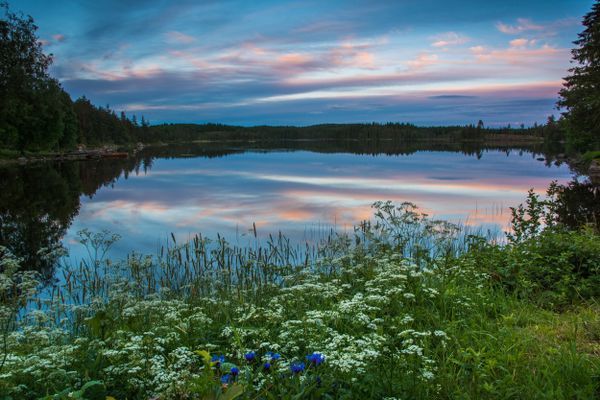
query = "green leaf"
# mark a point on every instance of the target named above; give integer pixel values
(232, 392)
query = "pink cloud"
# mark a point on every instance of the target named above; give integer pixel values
(294, 59)
(520, 52)
(522, 42)
(477, 49)
(522, 25)
(449, 39)
(423, 60)
(351, 55)
(59, 37)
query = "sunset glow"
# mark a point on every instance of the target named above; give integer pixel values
(311, 62)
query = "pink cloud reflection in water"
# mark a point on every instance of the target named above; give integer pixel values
(303, 194)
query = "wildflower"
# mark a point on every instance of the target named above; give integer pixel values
(297, 367)
(234, 371)
(315, 359)
(227, 378)
(250, 356)
(267, 366)
(428, 375)
(273, 356)
(217, 360)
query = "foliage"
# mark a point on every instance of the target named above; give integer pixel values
(35, 113)
(580, 96)
(589, 156)
(553, 254)
(404, 308)
(99, 125)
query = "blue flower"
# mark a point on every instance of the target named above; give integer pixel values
(315, 359)
(226, 378)
(267, 366)
(250, 356)
(218, 360)
(273, 356)
(297, 367)
(235, 371)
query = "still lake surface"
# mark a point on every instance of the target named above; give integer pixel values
(303, 194)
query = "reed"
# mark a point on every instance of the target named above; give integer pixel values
(403, 306)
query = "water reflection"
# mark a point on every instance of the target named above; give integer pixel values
(209, 189)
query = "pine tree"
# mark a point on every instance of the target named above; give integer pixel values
(35, 112)
(580, 96)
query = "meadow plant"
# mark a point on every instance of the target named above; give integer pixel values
(405, 307)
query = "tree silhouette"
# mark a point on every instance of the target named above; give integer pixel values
(581, 93)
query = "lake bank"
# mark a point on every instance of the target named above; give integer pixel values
(378, 314)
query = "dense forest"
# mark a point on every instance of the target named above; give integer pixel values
(357, 132)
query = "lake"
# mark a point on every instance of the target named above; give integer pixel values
(304, 194)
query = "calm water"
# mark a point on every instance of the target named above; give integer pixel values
(301, 193)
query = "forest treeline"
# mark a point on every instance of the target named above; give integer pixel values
(343, 132)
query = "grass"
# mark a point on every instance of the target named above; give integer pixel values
(406, 307)
(590, 155)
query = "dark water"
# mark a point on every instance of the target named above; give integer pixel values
(300, 191)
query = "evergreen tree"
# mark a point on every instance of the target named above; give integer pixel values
(35, 113)
(580, 96)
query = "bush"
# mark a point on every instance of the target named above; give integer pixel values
(546, 260)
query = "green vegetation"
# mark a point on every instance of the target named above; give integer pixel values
(589, 156)
(406, 307)
(580, 96)
(36, 114)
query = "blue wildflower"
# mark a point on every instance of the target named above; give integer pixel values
(226, 378)
(297, 367)
(273, 356)
(235, 371)
(315, 359)
(250, 356)
(267, 366)
(217, 360)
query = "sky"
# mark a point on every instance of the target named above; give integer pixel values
(428, 62)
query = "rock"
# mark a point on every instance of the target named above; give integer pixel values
(594, 171)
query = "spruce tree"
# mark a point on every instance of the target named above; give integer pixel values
(580, 96)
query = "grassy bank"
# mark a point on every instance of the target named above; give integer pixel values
(406, 307)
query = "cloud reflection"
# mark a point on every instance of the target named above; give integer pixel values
(300, 192)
